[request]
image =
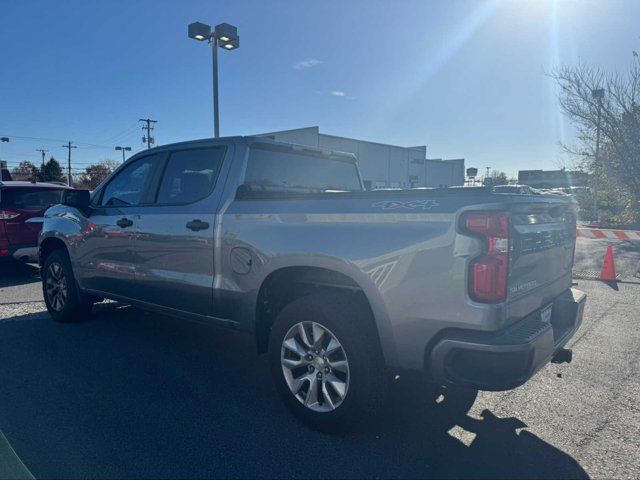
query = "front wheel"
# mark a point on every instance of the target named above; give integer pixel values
(326, 361)
(64, 301)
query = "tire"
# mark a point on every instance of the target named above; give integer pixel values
(62, 297)
(346, 394)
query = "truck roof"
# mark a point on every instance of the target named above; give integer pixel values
(249, 140)
(16, 183)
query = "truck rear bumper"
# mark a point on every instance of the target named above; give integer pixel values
(507, 359)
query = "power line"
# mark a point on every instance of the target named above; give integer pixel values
(122, 135)
(149, 128)
(83, 144)
(79, 165)
(69, 146)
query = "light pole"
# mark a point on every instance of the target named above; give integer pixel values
(4, 139)
(223, 36)
(3, 165)
(124, 149)
(598, 94)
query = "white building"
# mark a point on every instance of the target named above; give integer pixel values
(382, 165)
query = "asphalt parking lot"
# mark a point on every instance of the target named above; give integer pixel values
(131, 394)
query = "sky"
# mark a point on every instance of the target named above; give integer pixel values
(467, 78)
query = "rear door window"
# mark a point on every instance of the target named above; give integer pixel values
(190, 175)
(276, 169)
(31, 199)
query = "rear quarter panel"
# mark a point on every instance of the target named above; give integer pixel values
(404, 252)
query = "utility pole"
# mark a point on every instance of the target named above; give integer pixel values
(598, 94)
(148, 139)
(42, 151)
(69, 146)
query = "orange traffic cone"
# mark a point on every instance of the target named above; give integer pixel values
(608, 272)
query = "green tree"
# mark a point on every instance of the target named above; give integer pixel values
(51, 172)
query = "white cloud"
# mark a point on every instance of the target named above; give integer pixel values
(307, 63)
(337, 93)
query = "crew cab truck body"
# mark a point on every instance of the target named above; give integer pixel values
(341, 286)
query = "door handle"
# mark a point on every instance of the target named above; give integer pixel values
(196, 225)
(124, 222)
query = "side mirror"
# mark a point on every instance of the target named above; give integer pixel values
(79, 199)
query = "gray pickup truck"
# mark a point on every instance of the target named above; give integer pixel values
(343, 288)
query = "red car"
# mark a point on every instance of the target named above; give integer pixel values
(22, 205)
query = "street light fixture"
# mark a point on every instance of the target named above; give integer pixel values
(199, 31)
(124, 149)
(4, 139)
(224, 36)
(598, 94)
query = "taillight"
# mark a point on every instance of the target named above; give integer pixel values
(7, 214)
(488, 272)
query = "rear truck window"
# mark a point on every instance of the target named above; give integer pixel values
(29, 199)
(278, 169)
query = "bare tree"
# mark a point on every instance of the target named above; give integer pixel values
(24, 171)
(619, 158)
(95, 173)
(499, 178)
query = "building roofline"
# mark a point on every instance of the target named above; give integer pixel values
(313, 127)
(372, 142)
(316, 128)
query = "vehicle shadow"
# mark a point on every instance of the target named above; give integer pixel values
(18, 273)
(134, 394)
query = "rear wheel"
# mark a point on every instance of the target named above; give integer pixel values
(62, 297)
(326, 361)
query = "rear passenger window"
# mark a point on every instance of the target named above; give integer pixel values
(272, 168)
(190, 175)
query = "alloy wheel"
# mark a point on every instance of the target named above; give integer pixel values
(315, 366)
(56, 284)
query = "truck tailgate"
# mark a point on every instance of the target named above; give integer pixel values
(542, 242)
